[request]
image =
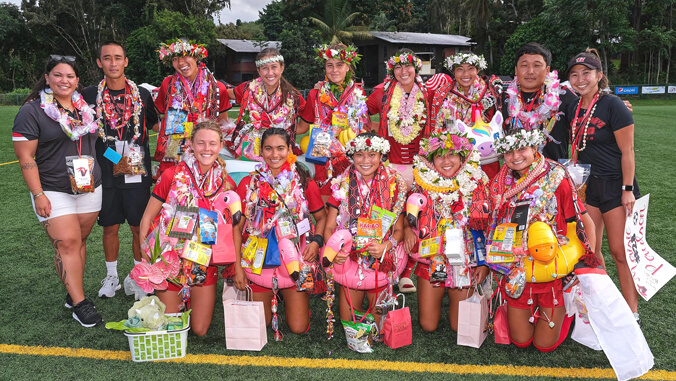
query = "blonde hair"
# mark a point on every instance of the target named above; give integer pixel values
(212, 125)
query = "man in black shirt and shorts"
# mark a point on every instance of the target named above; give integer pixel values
(126, 116)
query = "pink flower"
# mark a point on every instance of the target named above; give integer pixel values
(141, 274)
(169, 265)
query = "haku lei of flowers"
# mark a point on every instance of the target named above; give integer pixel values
(281, 117)
(442, 142)
(348, 54)
(72, 127)
(267, 60)
(547, 109)
(444, 190)
(403, 59)
(405, 117)
(178, 47)
(367, 143)
(519, 139)
(104, 106)
(470, 58)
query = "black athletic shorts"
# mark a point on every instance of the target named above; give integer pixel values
(605, 194)
(120, 205)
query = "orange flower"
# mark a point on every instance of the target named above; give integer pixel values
(291, 158)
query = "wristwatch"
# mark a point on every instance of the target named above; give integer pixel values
(627, 188)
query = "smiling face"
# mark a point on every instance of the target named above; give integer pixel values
(275, 152)
(185, 66)
(465, 74)
(112, 61)
(367, 163)
(531, 71)
(205, 146)
(271, 73)
(405, 75)
(336, 70)
(448, 164)
(63, 81)
(520, 160)
(585, 80)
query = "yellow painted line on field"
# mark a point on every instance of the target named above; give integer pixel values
(9, 162)
(291, 362)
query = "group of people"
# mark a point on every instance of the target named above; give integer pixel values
(428, 187)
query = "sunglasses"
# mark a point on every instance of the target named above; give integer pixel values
(60, 58)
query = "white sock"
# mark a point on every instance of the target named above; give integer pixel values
(112, 268)
(636, 315)
(136, 262)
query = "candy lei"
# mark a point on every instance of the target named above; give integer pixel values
(203, 92)
(104, 110)
(355, 107)
(287, 184)
(547, 108)
(460, 107)
(405, 117)
(282, 116)
(72, 127)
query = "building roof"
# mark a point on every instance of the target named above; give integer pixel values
(249, 46)
(422, 38)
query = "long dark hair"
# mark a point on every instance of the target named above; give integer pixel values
(51, 64)
(303, 172)
(287, 89)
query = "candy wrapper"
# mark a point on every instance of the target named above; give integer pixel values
(80, 172)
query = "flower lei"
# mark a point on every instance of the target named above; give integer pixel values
(72, 127)
(367, 143)
(255, 109)
(405, 117)
(178, 47)
(444, 189)
(547, 109)
(519, 139)
(442, 142)
(403, 59)
(104, 110)
(267, 60)
(470, 58)
(348, 54)
(458, 106)
(355, 108)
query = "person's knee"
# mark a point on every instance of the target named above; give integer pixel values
(428, 325)
(68, 245)
(299, 327)
(200, 330)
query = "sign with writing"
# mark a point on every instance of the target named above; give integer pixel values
(653, 90)
(626, 90)
(649, 270)
(671, 89)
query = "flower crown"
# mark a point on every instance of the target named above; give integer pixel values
(267, 60)
(367, 143)
(348, 55)
(403, 59)
(519, 139)
(178, 48)
(441, 143)
(460, 58)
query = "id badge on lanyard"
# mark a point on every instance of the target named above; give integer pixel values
(80, 171)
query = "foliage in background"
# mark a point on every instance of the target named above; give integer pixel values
(337, 23)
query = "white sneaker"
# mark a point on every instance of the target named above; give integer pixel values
(131, 288)
(109, 285)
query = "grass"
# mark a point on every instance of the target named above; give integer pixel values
(33, 312)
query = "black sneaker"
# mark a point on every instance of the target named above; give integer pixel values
(85, 313)
(69, 301)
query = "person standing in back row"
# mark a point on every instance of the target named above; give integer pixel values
(126, 115)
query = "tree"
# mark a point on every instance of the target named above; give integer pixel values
(242, 31)
(298, 42)
(203, 9)
(336, 22)
(273, 20)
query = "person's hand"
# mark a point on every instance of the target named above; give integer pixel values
(310, 252)
(43, 207)
(480, 273)
(628, 200)
(341, 257)
(410, 241)
(629, 106)
(240, 278)
(376, 250)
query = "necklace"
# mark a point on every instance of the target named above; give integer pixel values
(105, 110)
(581, 134)
(73, 127)
(406, 116)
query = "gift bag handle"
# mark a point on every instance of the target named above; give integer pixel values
(403, 299)
(248, 294)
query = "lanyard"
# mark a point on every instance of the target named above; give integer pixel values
(578, 132)
(530, 107)
(200, 191)
(365, 201)
(189, 90)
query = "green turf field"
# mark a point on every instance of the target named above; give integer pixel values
(33, 313)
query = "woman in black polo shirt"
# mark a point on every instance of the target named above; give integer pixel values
(603, 135)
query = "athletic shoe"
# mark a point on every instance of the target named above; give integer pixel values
(109, 285)
(131, 288)
(85, 313)
(69, 301)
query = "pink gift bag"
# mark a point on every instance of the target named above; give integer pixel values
(244, 323)
(397, 327)
(473, 320)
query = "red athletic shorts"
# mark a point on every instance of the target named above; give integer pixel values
(542, 294)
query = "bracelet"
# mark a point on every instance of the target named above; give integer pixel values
(318, 239)
(38, 195)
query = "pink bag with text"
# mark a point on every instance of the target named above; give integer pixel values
(397, 327)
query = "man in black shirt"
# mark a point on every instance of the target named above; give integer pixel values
(126, 116)
(531, 69)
